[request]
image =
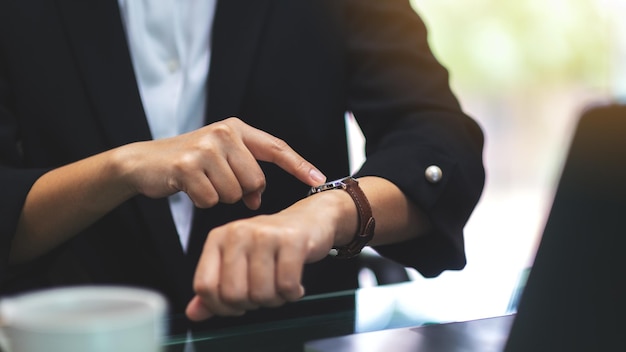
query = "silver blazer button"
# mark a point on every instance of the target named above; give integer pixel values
(433, 174)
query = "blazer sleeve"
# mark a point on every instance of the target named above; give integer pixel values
(401, 98)
(15, 180)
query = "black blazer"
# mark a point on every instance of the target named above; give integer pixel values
(290, 67)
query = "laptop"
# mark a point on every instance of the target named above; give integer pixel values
(575, 295)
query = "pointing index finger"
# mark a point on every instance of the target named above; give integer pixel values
(266, 147)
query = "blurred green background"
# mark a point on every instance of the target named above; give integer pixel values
(525, 70)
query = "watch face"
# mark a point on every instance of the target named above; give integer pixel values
(340, 183)
(334, 184)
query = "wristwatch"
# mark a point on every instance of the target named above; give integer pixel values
(365, 231)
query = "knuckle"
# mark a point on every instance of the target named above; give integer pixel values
(255, 182)
(303, 165)
(232, 236)
(184, 162)
(288, 287)
(203, 288)
(208, 200)
(279, 145)
(173, 184)
(223, 131)
(232, 297)
(207, 147)
(233, 120)
(231, 196)
(262, 235)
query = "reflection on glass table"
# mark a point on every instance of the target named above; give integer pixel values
(319, 316)
(342, 313)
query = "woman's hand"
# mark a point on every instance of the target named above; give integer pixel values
(258, 262)
(217, 163)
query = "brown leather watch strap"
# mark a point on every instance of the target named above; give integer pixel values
(365, 232)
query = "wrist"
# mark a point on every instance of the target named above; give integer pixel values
(121, 166)
(340, 212)
(364, 219)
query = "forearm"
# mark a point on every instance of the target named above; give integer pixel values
(257, 261)
(66, 200)
(397, 218)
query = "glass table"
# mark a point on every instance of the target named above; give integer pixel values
(343, 313)
(328, 315)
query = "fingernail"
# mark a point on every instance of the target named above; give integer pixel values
(199, 312)
(302, 291)
(317, 176)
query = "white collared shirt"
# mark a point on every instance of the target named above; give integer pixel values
(169, 42)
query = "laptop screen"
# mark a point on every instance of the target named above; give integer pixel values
(575, 296)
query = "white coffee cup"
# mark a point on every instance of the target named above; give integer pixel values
(84, 319)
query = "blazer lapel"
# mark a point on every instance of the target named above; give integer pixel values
(97, 38)
(99, 43)
(236, 34)
(235, 37)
